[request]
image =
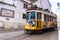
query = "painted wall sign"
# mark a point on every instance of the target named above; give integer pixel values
(7, 13)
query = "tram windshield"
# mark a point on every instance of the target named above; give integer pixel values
(30, 15)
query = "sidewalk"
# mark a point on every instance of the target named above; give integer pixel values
(9, 30)
(8, 35)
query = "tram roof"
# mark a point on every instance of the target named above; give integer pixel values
(42, 11)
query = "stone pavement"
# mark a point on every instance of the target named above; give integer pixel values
(7, 35)
(8, 30)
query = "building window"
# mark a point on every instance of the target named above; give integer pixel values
(7, 13)
(24, 16)
(25, 6)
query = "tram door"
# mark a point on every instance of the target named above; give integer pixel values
(39, 22)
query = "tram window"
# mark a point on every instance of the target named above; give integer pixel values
(33, 15)
(54, 20)
(44, 17)
(47, 17)
(51, 18)
(39, 15)
(27, 16)
(24, 16)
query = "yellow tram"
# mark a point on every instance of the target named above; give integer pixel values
(39, 19)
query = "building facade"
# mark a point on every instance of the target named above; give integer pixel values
(13, 12)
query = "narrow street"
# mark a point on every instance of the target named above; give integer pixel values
(20, 35)
(10, 34)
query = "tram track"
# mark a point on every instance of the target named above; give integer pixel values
(21, 37)
(25, 36)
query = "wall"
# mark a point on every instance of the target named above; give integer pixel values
(18, 14)
(8, 1)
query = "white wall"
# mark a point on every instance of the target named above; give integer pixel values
(6, 7)
(18, 12)
(8, 1)
(21, 11)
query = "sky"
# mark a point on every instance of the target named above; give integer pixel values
(54, 7)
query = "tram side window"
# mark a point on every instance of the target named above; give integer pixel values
(39, 15)
(54, 20)
(51, 18)
(27, 16)
(47, 17)
(44, 17)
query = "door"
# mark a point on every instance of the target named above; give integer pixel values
(39, 22)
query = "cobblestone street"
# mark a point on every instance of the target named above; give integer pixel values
(45, 36)
(20, 35)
